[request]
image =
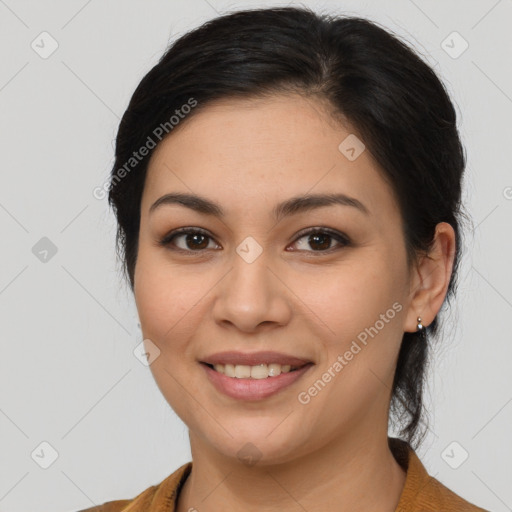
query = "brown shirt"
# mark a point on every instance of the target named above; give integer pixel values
(421, 492)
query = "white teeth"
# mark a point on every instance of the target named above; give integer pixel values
(242, 371)
(261, 371)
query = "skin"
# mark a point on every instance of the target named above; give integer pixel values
(249, 155)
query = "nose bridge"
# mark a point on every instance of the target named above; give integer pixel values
(250, 293)
(249, 274)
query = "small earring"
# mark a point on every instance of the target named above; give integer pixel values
(420, 325)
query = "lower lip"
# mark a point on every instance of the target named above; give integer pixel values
(253, 389)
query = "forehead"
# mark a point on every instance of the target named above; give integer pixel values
(250, 154)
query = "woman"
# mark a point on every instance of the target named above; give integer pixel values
(287, 189)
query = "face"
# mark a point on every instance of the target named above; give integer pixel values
(325, 283)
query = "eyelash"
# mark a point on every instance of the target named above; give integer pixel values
(339, 237)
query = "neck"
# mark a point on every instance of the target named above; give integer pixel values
(338, 477)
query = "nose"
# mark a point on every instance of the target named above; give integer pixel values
(252, 296)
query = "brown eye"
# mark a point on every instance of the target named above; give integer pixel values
(320, 240)
(196, 241)
(193, 239)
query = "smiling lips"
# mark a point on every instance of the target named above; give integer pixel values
(253, 376)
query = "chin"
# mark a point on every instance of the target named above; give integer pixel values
(261, 444)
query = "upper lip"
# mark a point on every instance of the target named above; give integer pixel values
(254, 358)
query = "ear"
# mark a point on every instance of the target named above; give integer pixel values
(430, 279)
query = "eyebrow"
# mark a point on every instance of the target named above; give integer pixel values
(292, 206)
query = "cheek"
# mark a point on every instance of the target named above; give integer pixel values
(361, 309)
(360, 318)
(350, 298)
(166, 300)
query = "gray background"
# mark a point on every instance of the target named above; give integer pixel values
(68, 375)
